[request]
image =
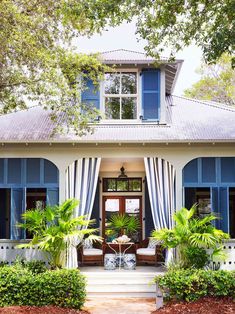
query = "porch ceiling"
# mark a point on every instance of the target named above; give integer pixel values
(114, 164)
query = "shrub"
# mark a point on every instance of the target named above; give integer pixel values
(35, 266)
(191, 284)
(20, 286)
(196, 257)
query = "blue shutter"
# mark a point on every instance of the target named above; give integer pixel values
(52, 196)
(18, 205)
(215, 205)
(151, 94)
(224, 207)
(91, 95)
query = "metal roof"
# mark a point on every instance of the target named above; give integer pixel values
(130, 56)
(188, 120)
(123, 57)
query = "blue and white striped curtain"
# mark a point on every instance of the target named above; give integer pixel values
(160, 176)
(81, 183)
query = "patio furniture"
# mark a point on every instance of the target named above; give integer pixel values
(110, 261)
(148, 252)
(120, 250)
(91, 255)
(129, 261)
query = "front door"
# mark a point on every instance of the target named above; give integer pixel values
(130, 205)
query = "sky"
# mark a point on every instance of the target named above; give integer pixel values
(123, 37)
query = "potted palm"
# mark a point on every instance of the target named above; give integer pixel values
(53, 227)
(196, 239)
(123, 224)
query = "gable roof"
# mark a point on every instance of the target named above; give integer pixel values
(188, 120)
(124, 57)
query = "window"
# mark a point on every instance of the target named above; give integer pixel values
(122, 185)
(120, 95)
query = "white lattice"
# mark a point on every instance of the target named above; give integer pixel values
(9, 251)
(229, 248)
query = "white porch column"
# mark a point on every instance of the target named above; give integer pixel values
(179, 187)
(62, 182)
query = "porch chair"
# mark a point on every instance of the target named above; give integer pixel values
(149, 251)
(90, 253)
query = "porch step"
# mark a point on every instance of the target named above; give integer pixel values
(121, 283)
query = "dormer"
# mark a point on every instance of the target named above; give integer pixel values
(135, 92)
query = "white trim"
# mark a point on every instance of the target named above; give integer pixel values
(137, 96)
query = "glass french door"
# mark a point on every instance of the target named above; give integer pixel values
(130, 205)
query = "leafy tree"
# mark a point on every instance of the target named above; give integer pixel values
(217, 82)
(189, 233)
(173, 24)
(54, 227)
(38, 64)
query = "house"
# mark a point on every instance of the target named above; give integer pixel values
(149, 154)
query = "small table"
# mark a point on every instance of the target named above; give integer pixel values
(120, 250)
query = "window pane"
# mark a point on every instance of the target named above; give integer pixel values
(135, 185)
(129, 108)
(14, 170)
(51, 173)
(112, 83)
(132, 206)
(122, 185)
(109, 185)
(33, 170)
(111, 205)
(112, 108)
(129, 85)
(1, 170)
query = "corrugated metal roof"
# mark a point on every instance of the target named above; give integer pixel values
(129, 56)
(187, 121)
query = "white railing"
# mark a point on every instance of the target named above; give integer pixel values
(9, 251)
(229, 248)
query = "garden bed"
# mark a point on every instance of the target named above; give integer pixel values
(206, 305)
(39, 310)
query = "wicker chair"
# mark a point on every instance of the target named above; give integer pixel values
(146, 255)
(89, 256)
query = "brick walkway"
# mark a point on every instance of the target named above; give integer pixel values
(120, 306)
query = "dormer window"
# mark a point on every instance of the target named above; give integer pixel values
(120, 94)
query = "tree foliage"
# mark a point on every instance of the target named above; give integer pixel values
(217, 82)
(172, 24)
(178, 23)
(38, 64)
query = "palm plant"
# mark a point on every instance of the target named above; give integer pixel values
(191, 232)
(123, 224)
(54, 227)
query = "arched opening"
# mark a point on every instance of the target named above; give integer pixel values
(145, 188)
(210, 182)
(25, 183)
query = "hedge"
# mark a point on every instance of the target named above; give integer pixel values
(191, 284)
(20, 286)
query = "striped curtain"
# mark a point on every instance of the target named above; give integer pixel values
(160, 176)
(81, 183)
